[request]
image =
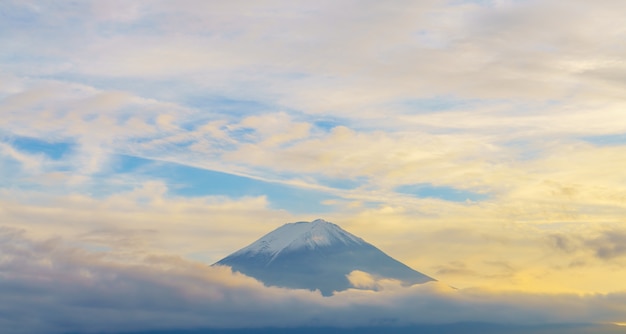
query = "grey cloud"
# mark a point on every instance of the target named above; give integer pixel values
(59, 288)
(608, 244)
(561, 242)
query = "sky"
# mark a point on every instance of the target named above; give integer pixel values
(481, 142)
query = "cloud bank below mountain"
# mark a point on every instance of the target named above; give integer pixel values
(53, 287)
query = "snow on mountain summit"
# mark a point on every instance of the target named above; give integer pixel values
(317, 256)
(293, 236)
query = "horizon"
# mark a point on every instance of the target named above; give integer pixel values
(481, 142)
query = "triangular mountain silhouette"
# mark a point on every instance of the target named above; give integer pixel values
(316, 255)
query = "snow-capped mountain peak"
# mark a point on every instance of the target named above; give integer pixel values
(293, 236)
(316, 255)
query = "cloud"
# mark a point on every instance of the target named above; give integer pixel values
(62, 288)
(272, 53)
(314, 57)
(609, 245)
(495, 98)
(144, 219)
(558, 182)
(149, 220)
(362, 280)
(29, 162)
(606, 244)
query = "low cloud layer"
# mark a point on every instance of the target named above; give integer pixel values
(49, 286)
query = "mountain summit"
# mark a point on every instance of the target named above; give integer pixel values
(316, 255)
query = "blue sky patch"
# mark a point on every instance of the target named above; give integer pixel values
(37, 146)
(441, 103)
(190, 181)
(607, 140)
(441, 192)
(328, 124)
(230, 106)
